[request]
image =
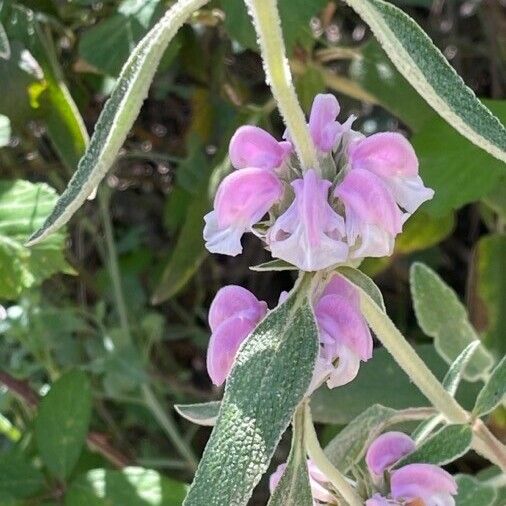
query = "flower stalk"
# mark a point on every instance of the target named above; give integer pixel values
(403, 353)
(316, 454)
(267, 24)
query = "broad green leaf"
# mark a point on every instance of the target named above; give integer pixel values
(350, 445)
(5, 130)
(132, 486)
(295, 17)
(18, 478)
(449, 164)
(443, 447)
(271, 374)
(205, 413)
(472, 492)
(107, 45)
(382, 381)
(488, 307)
(308, 85)
(494, 477)
(118, 115)
(428, 71)
(492, 394)
(62, 422)
(442, 316)
(423, 231)
(189, 251)
(274, 265)
(65, 126)
(293, 488)
(378, 76)
(365, 282)
(23, 206)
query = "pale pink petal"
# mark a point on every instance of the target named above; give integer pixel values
(242, 199)
(323, 127)
(344, 323)
(378, 500)
(251, 146)
(223, 346)
(339, 285)
(275, 477)
(427, 482)
(387, 154)
(387, 449)
(309, 233)
(409, 192)
(233, 300)
(373, 219)
(347, 368)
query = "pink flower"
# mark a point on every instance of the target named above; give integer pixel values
(251, 146)
(310, 233)
(242, 199)
(344, 334)
(386, 450)
(391, 157)
(373, 219)
(317, 480)
(323, 127)
(378, 500)
(427, 483)
(233, 315)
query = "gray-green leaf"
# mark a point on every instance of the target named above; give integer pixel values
(205, 413)
(62, 422)
(443, 447)
(350, 445)
(293, 488)
(365, 283)
(270, 377)
(472, 492)
(118, 115)
(442, 316)
(493, 392)
(428, 71)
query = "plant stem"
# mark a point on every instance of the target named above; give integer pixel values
(487, 445)
(277, 71)
(169, 427)
(149, 397)
(484, 442)
(112, 263)
(321, 461)
(404, 354)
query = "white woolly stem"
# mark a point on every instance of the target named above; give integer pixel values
(277, 71)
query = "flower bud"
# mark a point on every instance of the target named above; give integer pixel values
(233, 315)
(386, 450)
(251, 146)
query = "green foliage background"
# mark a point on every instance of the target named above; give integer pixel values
(103, 325)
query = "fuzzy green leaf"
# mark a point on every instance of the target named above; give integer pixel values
(428, 71)
(442, 316)
(271, 374)
(118, 115)
(493, 392)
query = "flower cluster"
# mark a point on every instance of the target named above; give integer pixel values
(350, 207)
(345, 339)
(409, 485)
(413, 484)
